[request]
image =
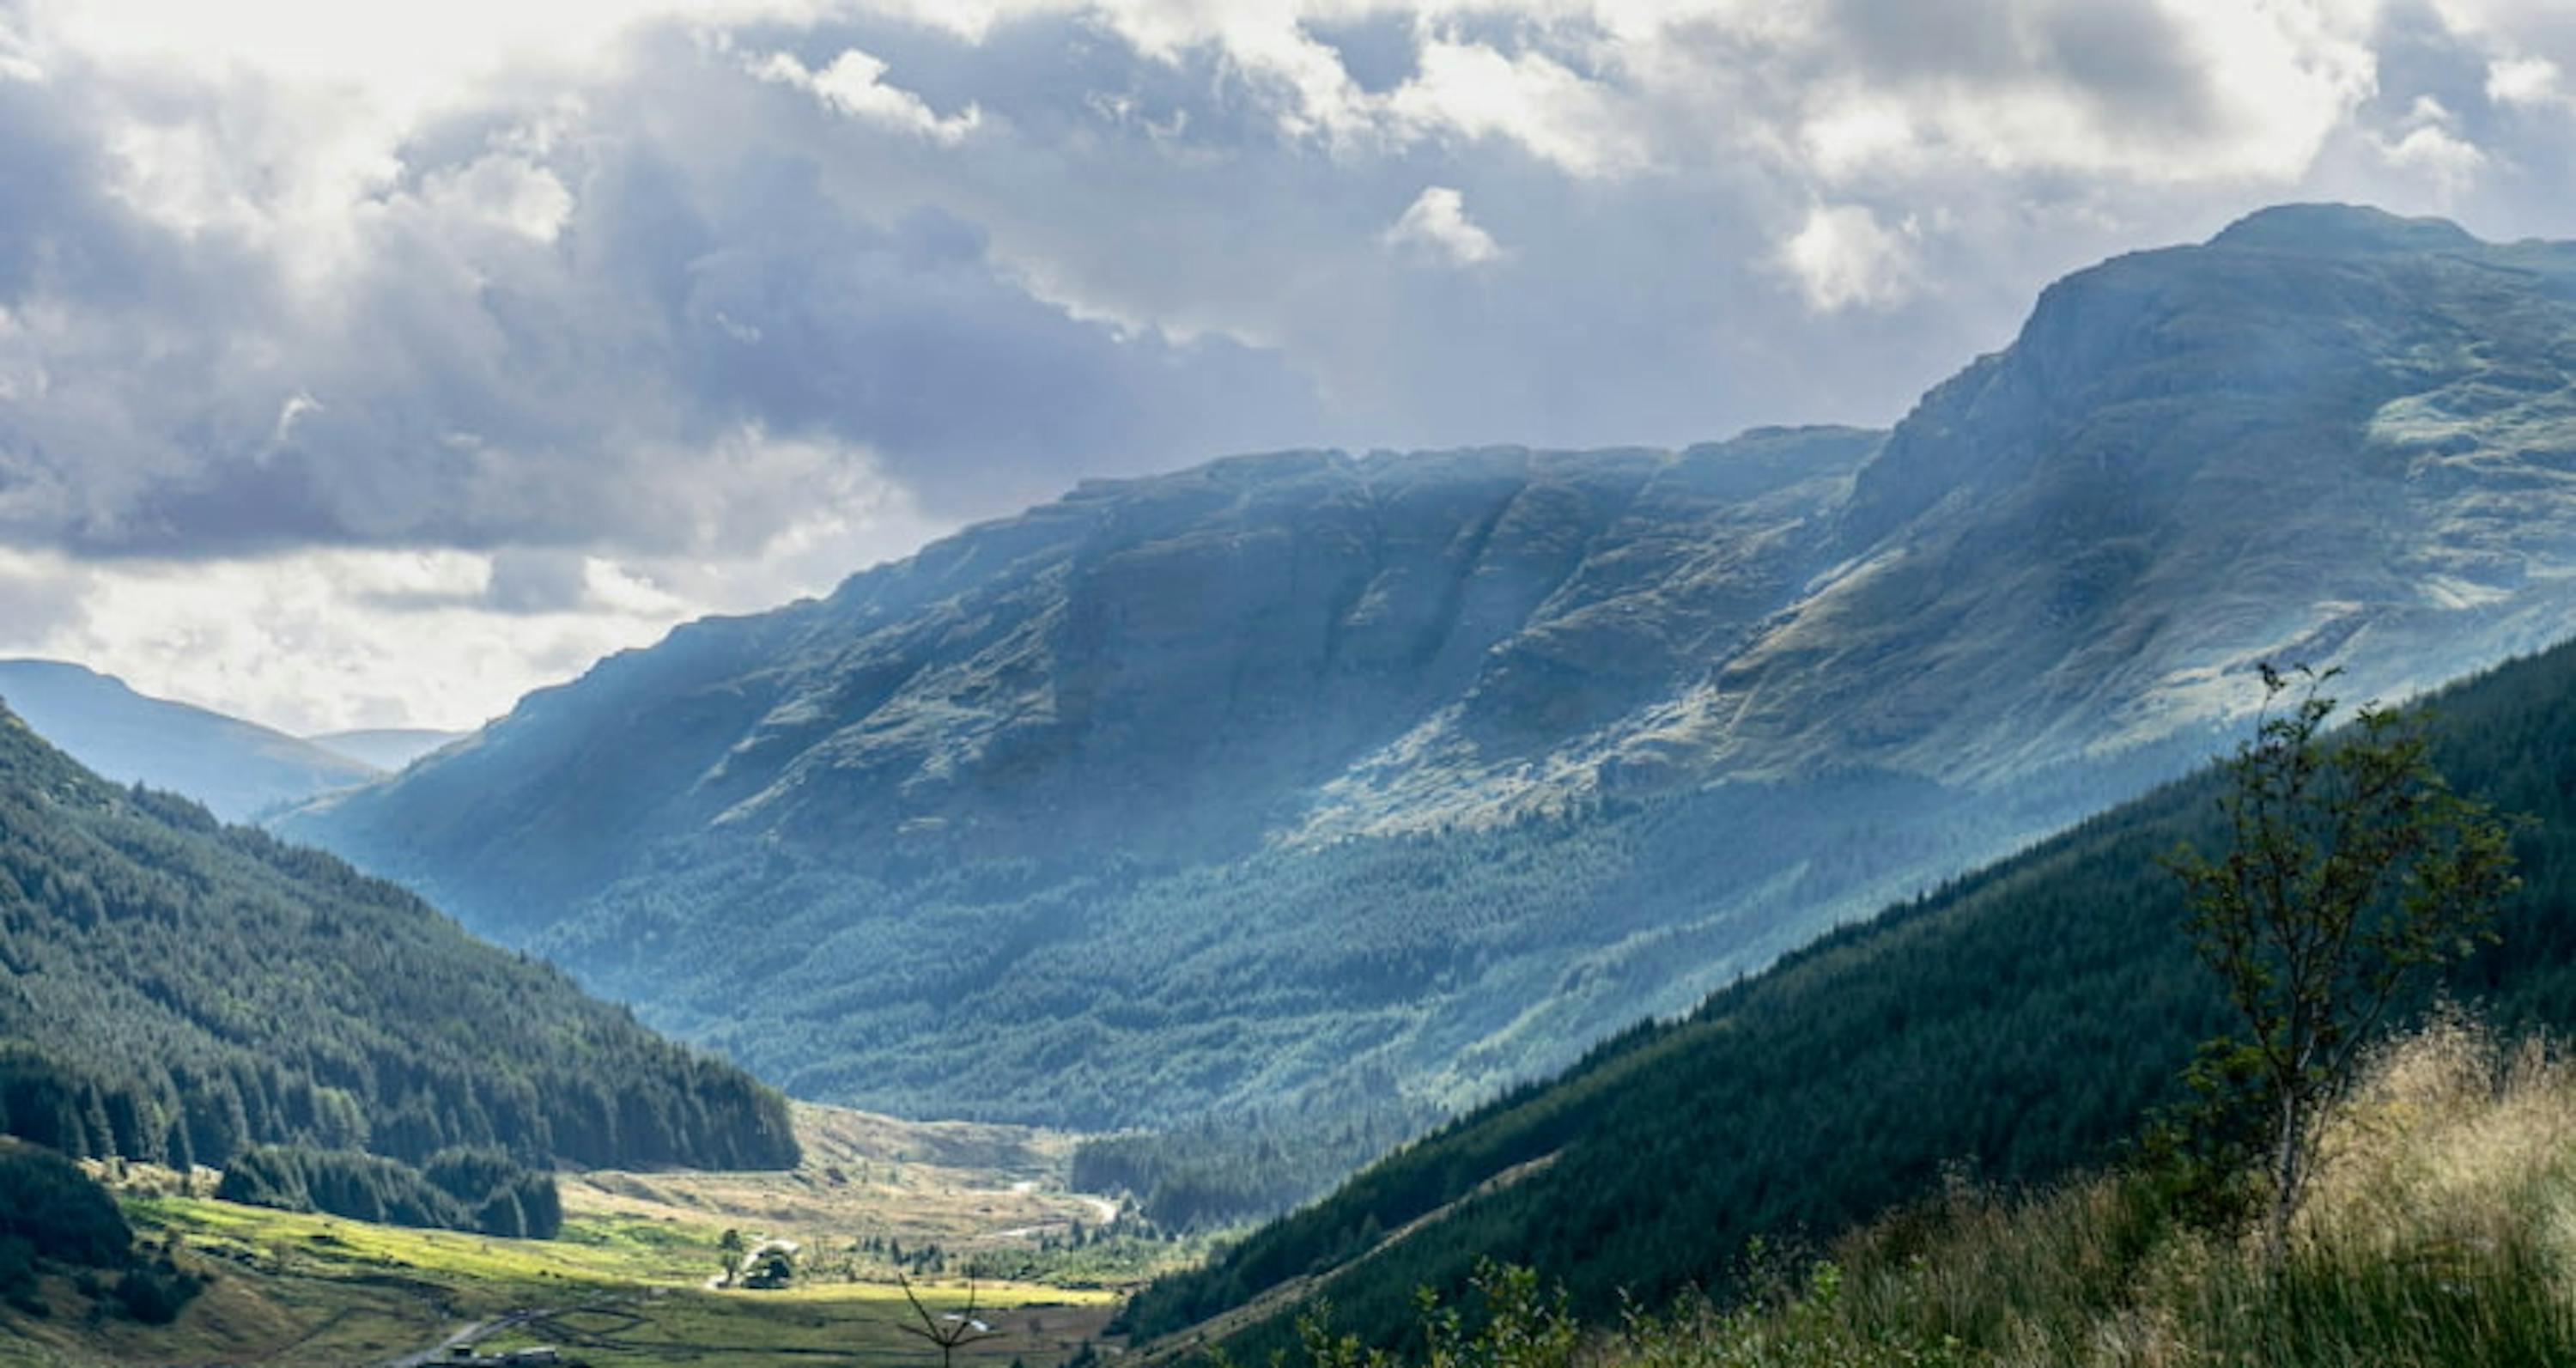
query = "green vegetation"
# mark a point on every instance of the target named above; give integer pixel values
(2438, 1236)
(291, 1290)
(53, 1218)
(2018, 1024)
(1249, 1165)
(174, 990)
(2350, 868)
(51, 1212)
(1334, 996)
(457, 1189)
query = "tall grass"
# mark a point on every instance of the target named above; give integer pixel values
(2441, 1233)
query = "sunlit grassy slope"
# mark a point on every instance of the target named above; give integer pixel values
(626, 1282)
(2442, 1232)
(300, 1289)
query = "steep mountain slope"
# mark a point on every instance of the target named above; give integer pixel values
(2014, 1025)
(385, 748)
(236, 768)
(175, 989)
(1415, 773)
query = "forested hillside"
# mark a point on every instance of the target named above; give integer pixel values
(1296, 779)
(237, 769)
(2016, 1024)
(175, 989)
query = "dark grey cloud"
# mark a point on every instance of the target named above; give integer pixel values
(538, 345)
(671, 304)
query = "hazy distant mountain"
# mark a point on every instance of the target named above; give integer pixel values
(1418, 772)
(173, 988)
(235, 768)
(386, 748)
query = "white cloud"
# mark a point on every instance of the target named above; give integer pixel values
(503, 190)
(855, 84)
(568, 290)
(1574, 123)
(323, 639)
(2530, 82)
(2431, 147)
(1437, 223)
(1842, 257)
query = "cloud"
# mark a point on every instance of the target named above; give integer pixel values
(1844, 258)
(855, 84)
(1527, 98)
(1436, 223)
(2530, 81)
(2429, 145)
(330, 638)
(621, 312)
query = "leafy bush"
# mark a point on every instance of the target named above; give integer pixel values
(156, 1293)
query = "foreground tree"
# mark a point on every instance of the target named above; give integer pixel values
(2351, 866)
(947, 1333)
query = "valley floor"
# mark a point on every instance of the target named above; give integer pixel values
(628, 1282)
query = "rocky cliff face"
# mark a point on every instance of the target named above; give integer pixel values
(1442, 764)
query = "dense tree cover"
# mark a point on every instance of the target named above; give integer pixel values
(1244, 1166)
(456, 1190)
(2017, 1023)
(52, 1214)
(1294, 982)
(173, 989)
(47, 1202)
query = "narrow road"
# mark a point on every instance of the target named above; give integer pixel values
(465, 1334)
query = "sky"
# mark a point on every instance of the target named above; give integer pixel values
(369, 369)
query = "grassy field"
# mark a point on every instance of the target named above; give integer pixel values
(948, 1183)
(626, 1284)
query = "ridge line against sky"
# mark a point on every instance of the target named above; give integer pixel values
(367, 369)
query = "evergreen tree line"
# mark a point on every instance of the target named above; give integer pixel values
(1292, 981)
(458, 1189)
(2013, 1026)
(174, 990)
(1246, 1166)
(53, 1217)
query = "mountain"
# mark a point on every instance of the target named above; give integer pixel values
(2010, 1028)
(385, 748)
(1301, 779)
(236, 768)
(172, 988)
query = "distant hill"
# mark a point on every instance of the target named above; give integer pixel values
(2010, 1027)
(386, 748)
(236, 768)
(172, 988)
(1302, 779)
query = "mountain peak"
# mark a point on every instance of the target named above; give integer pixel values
(2341, 230)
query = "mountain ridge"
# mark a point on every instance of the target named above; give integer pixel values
(1431, 768)
(237, 768)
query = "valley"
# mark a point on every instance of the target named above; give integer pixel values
(1312, 878)
(1317, 795)
(628, 1280)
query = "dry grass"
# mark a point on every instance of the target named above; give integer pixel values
(2442, 1231)
(955, 1184)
